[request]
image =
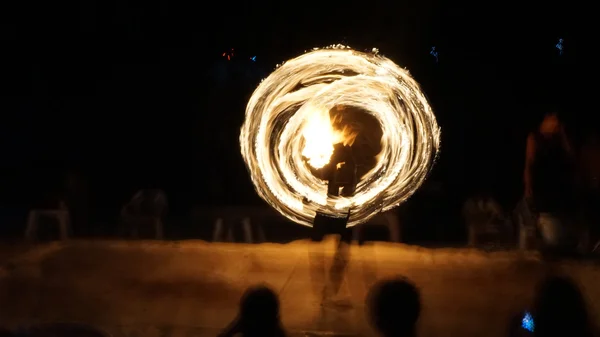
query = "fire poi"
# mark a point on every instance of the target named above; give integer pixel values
(289, 134)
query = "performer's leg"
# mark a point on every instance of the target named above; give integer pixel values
(318, 229)
(338, 267)
(317, 235)
(346, 236)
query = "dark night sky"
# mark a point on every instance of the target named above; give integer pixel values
(123, 90)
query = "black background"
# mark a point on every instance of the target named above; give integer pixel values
(129, 92)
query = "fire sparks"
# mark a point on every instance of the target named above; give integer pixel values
(288, 125)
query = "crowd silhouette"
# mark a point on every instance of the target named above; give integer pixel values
(393, 307)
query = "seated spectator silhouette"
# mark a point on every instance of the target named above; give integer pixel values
(394, 307)
(560, 309)
(258, 315)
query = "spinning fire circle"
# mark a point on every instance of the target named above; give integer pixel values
(288, 133)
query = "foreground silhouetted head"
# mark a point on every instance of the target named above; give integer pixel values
(259, 313)
(560, 309)
(394, 307)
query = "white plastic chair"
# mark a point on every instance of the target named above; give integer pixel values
(61, 215)
(227, 217)
(223, 232)
(484, 216)
(146, 208)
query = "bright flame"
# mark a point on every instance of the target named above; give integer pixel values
(320, 137)
(287, 122)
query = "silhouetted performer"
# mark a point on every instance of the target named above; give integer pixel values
(549, 178)
(340, 175)
(341, 172)
(560, 309)
(394, 307)
(258, 315)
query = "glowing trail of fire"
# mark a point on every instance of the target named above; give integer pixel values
(285, 125)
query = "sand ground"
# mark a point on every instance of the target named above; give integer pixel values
(192, 288)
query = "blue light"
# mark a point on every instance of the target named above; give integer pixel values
(527, 322)
(560, 46)
(253, 58)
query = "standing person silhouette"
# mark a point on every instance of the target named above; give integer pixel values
(549, 179)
